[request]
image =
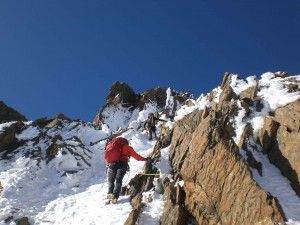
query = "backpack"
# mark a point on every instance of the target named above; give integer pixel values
(113, 150)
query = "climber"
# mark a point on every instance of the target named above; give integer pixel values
(117, 153)
(150, 125)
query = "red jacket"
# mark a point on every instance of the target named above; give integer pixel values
(129, 151)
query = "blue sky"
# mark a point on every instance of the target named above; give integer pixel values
(63, 56)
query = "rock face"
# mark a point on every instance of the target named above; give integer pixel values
(280, 137)
(218, 184)
(8, 114)
(286, 147)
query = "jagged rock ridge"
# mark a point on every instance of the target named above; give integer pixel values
(123, 99)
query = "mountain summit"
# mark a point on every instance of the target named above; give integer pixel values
(228, 157)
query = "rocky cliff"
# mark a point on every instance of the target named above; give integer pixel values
(216, 161)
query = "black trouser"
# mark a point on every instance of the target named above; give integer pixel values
(115, 173)
(152, 130)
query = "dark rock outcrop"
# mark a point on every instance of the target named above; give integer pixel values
(8, 114)
(8, 139)
(121, 93)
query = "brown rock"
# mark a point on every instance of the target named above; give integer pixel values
(133, 217)
(174, 215)
(174, 212)
(289, 115)
(137, 206)
(245, 105)
(247, 132)
(57, 121)
(267, 134)
(227, 94)
(183, 128)
(283, 142)
(226, 79)
(42, 122)
(164, 140)
(218, 184)
(250, 93)
(141, 182)
(286, 156)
